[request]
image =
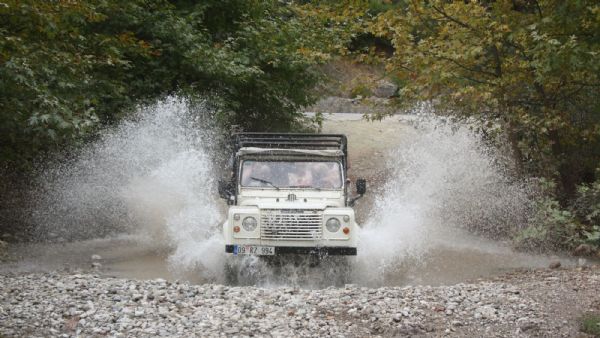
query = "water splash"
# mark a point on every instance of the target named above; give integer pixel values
(152, 176)
(443, 182)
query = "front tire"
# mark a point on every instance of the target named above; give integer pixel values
(338, 269)
(230, 271)
(244, 270)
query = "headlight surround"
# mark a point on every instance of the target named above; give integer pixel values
(333, 224)
(249, 223)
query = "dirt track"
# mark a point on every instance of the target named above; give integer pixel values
(368, 144)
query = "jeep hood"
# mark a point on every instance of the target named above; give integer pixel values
(291, 198)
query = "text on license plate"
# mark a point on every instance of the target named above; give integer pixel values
(253, 250)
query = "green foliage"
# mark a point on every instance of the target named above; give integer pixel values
(379, 6)
(556, 227)
(45, 65)
(527, 70)
(593, 236)
(361, 86)
(590, 324)
(586, 207)
(551, 226)
(68, 67)
(534, 67)
(587, 202)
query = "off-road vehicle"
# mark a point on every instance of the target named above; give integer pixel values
(289, 194)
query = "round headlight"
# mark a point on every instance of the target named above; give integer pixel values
(346, 218)
(249, 223)
(333, 224)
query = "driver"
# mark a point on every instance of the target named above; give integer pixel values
(327, 175)
(257, 170)
(301, 175)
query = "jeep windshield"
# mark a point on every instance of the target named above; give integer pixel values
(291, 174)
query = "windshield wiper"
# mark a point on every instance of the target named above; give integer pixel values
(264, 181)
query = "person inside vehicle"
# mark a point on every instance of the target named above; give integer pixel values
(254, 174)
(327, 175)
(300, 175)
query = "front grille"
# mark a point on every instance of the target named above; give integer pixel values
(291, 224)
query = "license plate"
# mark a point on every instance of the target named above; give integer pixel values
(253, 250)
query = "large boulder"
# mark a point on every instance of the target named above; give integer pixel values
(583, 250)
(384, 89)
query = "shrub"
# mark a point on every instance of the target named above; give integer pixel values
(550, 226)
(590, 324)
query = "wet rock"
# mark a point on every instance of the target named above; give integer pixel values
(583, 250)
(554, 265)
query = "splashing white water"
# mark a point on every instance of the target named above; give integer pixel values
(445, 184)
(152, 176)
(444, 180)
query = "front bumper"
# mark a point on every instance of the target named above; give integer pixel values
(309, 250)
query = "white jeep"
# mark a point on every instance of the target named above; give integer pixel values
(289, 194)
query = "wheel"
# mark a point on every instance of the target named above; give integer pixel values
(338, 269)
(231, 271)
(246, 270)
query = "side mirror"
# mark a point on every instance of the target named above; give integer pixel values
(361, 186)
(225, 189)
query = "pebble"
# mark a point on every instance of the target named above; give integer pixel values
(60, 304)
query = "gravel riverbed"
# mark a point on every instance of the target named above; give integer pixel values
(526, 303)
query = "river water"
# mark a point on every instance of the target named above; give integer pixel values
(145, 192)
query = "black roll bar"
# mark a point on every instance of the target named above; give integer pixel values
(291, 141)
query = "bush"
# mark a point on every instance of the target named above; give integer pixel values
(553, 226)
(590, 324)
(70, 67)
(550, 226)
(587, 208)
(361, 86)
